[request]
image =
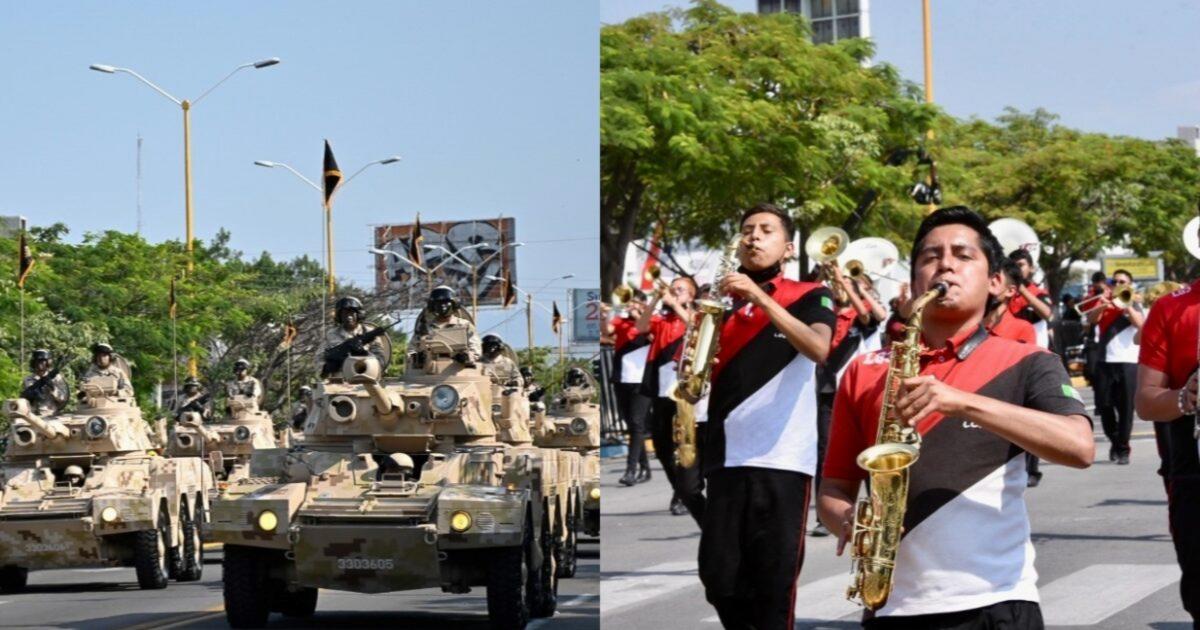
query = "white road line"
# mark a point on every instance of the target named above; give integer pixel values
(574, 601)
(623, 591)
(822, 600)
(1095, 593)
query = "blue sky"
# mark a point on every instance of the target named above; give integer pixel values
(1116, 67)
(493, 107)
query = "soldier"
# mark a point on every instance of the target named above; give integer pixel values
(192, 398)
(441, 308)
(495, 364)
(348, 313)
(243, 384)
(102, 366)
(300, 412)
(50, 397)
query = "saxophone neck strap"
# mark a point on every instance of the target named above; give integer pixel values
(972, 343)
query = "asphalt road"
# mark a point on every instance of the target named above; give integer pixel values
(1104, 555)
(105, 599)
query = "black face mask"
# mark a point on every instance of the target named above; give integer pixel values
(763, 275)
(441, 309)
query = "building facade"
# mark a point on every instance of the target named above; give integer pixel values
(831, 20)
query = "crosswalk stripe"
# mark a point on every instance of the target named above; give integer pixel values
(822, 600)
(1095, 593)
(627, 589)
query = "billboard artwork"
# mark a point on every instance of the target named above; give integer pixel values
(451, 250)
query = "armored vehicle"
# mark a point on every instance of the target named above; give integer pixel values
(228, 444)
(398, 484)
(571, 421)
(88, 489)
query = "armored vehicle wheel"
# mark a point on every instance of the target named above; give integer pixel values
(568, 553)
(13, 579)
(247, 604)
(508, 585)
(150, 554)
(193, 548)
(300, 603)
(544, 591)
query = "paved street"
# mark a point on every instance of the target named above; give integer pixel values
(1104, 556)
(109, 599)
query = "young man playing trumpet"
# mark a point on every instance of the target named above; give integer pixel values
(760, 438)
(1116, 385)
(965, 559)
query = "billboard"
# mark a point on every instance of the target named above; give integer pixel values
(471, 244)
(585, 315)
(1143, 269)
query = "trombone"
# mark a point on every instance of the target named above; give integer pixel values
(1120, 299)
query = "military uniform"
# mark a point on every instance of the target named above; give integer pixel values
(249, 387)
(52, 397)
(112, 371)
(181, 402)
(502, 368)
(337, 335)
(474, 346)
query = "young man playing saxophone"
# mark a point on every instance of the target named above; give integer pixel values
(979, 402)
(760, 442)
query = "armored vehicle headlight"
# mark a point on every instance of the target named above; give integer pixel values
(108, 514)
(579, 426)
(594, 493)
(460, 521)
(267, 521)
(444, 399)
(242, 434)
(96, 427)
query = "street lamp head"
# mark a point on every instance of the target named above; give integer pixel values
(266, 63)
(265, 163)
(380, 252)
(428, 246)
(567, 277)
(394, 158)
(496, 278)
(102, 68)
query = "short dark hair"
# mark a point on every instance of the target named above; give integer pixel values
(958, 215)
(1124, 273)
(1012, 271)
(1017, 255)
(789, 225)
(690, 280)
(1098, 277)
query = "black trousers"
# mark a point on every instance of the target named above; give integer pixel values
(634, 409)
(1183, 510)
(752, 545)
(1010, 615)
(687, 483)
(1119, 383)
(824, 418)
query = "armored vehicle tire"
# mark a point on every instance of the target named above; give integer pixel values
(508, 578)
(193, 548)
(299, 603)
(150, 554)
(247, 604)
(544, 591)
(568, 553)
(13, 579)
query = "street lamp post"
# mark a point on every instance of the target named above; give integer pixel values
(404, 259)
(186, 106)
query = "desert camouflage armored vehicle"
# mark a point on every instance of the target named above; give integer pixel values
(87, 489)
(399, 484)
(228, 444)
(571, 421)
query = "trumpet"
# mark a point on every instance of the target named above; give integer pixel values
(1121, 299)
(654, 273)
(856, 269)
(622, 295)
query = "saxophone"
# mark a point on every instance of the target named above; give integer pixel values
(878, 518)
(700, 347)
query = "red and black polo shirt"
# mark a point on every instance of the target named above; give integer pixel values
(629, 350)
(666, 333)
(1020, 307)
(1169, 343)
(1015, 328)
(966, 543)
(762, 408)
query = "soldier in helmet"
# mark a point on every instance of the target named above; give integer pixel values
(192, 398)
(48, 399)
(102, 366)
(300, 412)
(496, 364)
(243, 384)
(348, 313)
(440, 313)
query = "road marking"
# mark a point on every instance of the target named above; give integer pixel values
(180, 620)
(1095, 593)
(574, 601)
(822, 600)
(634, 587)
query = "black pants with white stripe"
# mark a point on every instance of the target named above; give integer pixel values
(752, 545)
(1183, 510)
(686, 482)
(1119, 384)
(1010, 615)
(634, 409)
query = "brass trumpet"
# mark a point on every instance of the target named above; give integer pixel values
(1120, 299)
(622, 295)
(856, 269)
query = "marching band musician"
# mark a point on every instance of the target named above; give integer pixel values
(1000, 321)
(1166, 395)
(1116, 382)
(629, 359)
(965, 559)
(1031, 302)
(666, 330)
(759, 449)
